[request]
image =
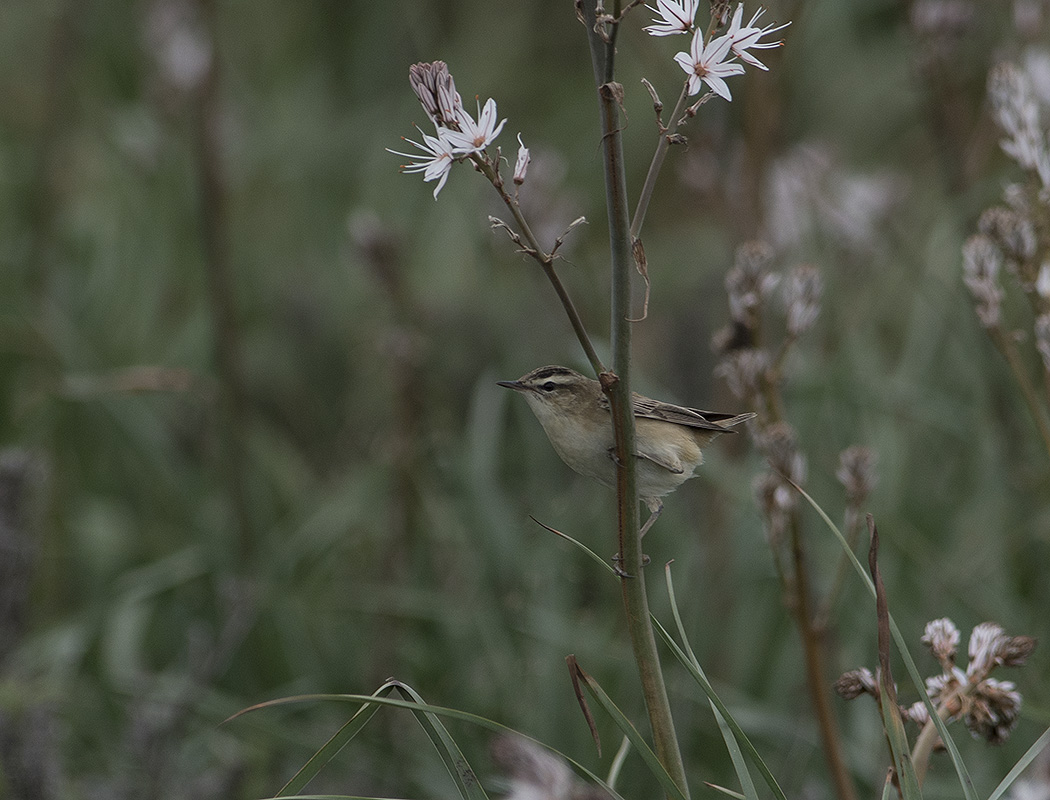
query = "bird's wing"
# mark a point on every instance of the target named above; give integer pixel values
(690, 417)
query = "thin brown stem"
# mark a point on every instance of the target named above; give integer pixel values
(214, 212)
(543, 258)
(816, 670)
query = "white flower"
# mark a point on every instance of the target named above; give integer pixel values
(436, 166)
(746, 37)
(473, 137)
(522, 163)
(675, 17)
(706, 64)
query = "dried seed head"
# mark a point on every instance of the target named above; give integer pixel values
(856, 473)
(802, 292)
(936, 685)
(1042, 338)
(917, 713)
(985, 641)
(779, 443)
(942, 637)
(982, 261)
(1011, 230)
(775, 501)
(1013, 651)
(744, 371)
(749, 281)
(854, 683)
(994, 710)
(1017, 112)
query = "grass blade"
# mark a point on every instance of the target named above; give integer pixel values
(628, 729)
(450, 713)
(969, 792)
(742, 773)
(1021, 765)
(331, 748)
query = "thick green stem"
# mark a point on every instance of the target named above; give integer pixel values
(617, 387)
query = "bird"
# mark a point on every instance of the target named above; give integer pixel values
(669, 438)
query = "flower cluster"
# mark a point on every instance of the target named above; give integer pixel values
(712, 59)
(988, 707)
(457, 134)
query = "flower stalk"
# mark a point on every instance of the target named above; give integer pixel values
(617, 386)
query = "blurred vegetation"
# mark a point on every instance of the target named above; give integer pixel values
(253, 443)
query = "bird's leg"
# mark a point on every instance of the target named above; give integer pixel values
(656, 505)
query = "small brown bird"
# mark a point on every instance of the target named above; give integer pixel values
(574, 412)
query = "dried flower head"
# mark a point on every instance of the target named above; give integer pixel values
(994, 710)
(1042, 339)
(780, 445)
(744, 370)
(917, 713)
(982, 261)
(856, 473)
(775, 499)
(854, 683)
(1011, 230)
(985, 641)
(802, 291)
(942, 637)
(988, 707)
(749, 281)
(1017, 113)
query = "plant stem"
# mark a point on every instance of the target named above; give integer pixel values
(923, 749)
(617, 387)
(816, 672)
(213, 200)
(654, 168)
(544, 259)
(1013, 359)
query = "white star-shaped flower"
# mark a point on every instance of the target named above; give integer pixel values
(473, 137)
(707, 64)
(674, 17)
(746, 37)
(436, 166)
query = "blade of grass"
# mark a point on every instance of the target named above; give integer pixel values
(725, 791)
(451, 713)
(891, 715)
(1033, 751)
(698, 676)
(742, 773)
(455, 762)
(617, 763)
(741, 737)
(969, 792)
(628, 729)
(336, 743)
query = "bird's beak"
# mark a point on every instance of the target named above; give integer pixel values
(517, 386)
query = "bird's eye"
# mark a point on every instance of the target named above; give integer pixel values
(548, 386)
